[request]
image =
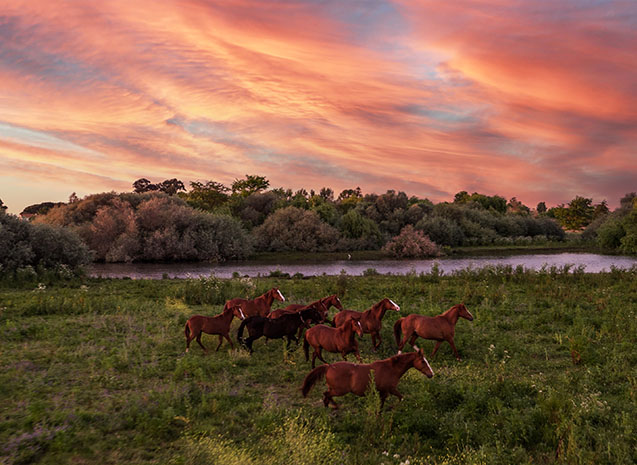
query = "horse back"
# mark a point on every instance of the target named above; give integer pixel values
(349, 377)
(345, 315)
(432, 327)
(323, 336)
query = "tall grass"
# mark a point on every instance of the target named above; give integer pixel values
(94, 371)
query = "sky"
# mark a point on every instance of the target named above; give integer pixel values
(535, 99)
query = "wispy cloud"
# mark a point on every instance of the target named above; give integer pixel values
(533, 99)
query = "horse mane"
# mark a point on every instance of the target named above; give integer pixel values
(455, 307)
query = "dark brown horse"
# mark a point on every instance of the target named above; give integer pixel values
(219, 324)
(370, 319)
(259, 306)
(439, 328)
(345, 377)
(276, 328)
(340, 340)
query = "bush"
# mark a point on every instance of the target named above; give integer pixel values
(295, 229)
(441, 230)
(411, 243)
(24, 245)
(152, 227)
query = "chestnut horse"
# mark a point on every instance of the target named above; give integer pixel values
(219, 324)
(439, 328)
(327, 302)
(340, 340)
(259, 306)
(370, 319)
(277, 328)
(345, 377)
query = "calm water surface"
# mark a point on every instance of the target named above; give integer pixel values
(592, 263)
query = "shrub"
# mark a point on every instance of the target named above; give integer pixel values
(441, 230)
(292, 228)
(25, 245)
(411, 243)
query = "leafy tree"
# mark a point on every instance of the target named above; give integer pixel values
(355, 226)
(250, 185)
(577, 215)
(495, 202)
(206, 196)
(171, 186)
(541, 208)
(293, 228)
(601, 209)
(326, 193)
(41, 208)
(628, 201)
(144, 185)
(517, 207)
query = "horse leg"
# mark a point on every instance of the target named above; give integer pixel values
(383, 397)
(319, 353)
(376, 344)
(455, 351)
(404, 341)
(220, 341)
(199, 342)
(436, 347)
(327, 399)
(395, 392)
(229, 340)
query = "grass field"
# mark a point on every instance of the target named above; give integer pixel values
(94, 371)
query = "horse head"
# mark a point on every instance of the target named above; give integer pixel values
(422, 365)
(238, 312)
(464, 313)
(334, 300)
(356, 325)
(277, 294)
(391, 305)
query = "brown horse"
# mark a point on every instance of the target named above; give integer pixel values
(324, 305)
(219, 324)
(259, 306)
(439, 328)
(340, 340)
(370, 319)
(345, 377)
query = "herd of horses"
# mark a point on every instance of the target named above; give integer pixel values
(337, 335)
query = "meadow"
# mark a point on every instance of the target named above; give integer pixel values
(94, 371)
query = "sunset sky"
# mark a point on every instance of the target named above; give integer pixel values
(535, 99)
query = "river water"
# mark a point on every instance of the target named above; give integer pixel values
(592, 263)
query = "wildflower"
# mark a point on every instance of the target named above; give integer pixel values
(385, 453)
(396, 456)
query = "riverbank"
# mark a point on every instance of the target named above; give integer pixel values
(94, 371)
(588, 263)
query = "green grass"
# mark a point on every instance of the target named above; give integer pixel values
(94, 371)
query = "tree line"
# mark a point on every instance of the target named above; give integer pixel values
(164, 221)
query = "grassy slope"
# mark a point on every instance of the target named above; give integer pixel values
(98, 375)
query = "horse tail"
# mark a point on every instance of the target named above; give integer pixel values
(306, 348)
(312, 377)
(240, 331)
(187, 329)
(398, 330)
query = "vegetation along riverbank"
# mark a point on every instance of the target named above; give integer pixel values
(94, 371)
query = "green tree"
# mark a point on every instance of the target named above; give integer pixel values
(144, 185)
(206, 196)
(171, 186)
(250, 185)
(541, 208)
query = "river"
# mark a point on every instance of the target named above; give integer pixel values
(592, 263)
